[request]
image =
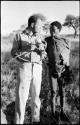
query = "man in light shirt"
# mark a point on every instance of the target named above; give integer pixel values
(29, 50)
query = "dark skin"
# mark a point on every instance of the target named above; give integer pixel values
(55, 32)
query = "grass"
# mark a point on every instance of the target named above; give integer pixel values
(9, 75)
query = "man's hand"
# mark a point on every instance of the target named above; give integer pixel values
(44, 55)
(65, 63)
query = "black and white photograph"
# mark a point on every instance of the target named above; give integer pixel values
(40, 62)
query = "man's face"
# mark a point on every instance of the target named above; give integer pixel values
(37, 27)
(54, 31)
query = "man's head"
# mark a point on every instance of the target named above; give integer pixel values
(55, 28)
(35, 22)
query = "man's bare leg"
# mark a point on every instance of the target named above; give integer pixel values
(54, 85)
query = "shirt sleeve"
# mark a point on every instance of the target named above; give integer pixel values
(16, 45)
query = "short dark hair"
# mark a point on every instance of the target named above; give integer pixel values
(57, 24)
(34, 18)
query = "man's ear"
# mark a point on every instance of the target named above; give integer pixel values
(32, 25)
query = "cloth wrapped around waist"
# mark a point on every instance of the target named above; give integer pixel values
(56, 69)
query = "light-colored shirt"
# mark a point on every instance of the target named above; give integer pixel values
(29, 46)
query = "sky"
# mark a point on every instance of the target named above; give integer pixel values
(16, 13)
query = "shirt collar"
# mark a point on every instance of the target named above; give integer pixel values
(30, 33)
